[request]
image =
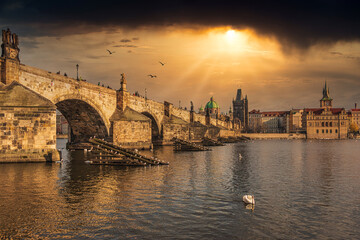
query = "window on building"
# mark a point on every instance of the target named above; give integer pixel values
(330, 130)
(335, 130)
(317, 130)
(322, 131)
(327, 131)
(326, 124)
(322, 124)
(330, 124)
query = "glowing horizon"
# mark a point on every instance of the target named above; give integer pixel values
(199, 64)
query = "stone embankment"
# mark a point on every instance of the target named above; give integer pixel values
(274, 135)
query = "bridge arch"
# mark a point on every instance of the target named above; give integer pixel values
(85, 119)
(155, 127)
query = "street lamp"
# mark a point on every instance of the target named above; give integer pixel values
(77, 71)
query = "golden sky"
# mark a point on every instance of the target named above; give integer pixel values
(204, 62)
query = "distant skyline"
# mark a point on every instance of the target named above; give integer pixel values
(280, 54)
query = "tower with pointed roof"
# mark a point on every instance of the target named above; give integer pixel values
(241, 109)
(326, 100)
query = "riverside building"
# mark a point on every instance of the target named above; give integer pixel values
(325, 122)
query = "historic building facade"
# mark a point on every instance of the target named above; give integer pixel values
(255, 123)
(275, 122)
(295, 120)
(269, 122)
(325, 122)
(241, 109)
(354, 116)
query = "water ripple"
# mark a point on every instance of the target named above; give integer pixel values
(302, 190)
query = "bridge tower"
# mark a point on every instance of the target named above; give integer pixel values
(9, 61)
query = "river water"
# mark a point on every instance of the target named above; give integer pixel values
(303, 189)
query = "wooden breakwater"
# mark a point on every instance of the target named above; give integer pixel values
(106, 153)
(211, 142)
(182, 145)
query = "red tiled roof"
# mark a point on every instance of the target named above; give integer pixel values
(336, 110)
(274, 113)
(318, 111)
(355, 109)
(254, 111)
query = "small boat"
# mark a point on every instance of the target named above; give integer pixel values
(249, 199)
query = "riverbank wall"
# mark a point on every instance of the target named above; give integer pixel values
(274, 135)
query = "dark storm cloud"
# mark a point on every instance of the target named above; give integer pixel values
(30, 44)
(125, 46)
(299, 22)
(336, 53)
(95, 57)
(348, 56)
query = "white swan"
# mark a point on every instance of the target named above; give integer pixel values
(249, 199)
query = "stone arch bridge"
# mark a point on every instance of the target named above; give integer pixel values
(93, 110)
(89, 108)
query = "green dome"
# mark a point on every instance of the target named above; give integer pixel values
(211, 104)
(201, 108)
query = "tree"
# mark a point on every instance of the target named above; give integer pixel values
(354, 128)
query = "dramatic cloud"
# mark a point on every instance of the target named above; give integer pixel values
(299, 23)
(125, 46)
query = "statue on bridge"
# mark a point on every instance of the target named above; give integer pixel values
(123, 82)
(192, 106)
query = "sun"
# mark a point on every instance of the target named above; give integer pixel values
(230, 35)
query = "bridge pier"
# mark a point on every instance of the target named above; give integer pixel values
(28, 126)
(129, 128)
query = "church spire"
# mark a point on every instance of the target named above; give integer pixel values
(326, 100)
(326, 92)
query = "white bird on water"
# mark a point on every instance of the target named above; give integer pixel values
(249, 199)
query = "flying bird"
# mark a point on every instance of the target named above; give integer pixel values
(162, 64)
(109, 51)
(152, 76)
